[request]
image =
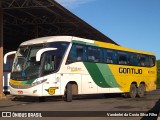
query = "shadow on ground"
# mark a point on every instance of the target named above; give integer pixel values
(154, 111)
(59, 98)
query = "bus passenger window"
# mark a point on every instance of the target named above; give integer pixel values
(94, 54)
(132, 59)
(76, 54)
(122, 58)
(141, 61)
(111, 57)
(144, 60)
(79, 51)
(152, 61)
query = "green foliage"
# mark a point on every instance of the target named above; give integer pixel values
(158, 63)
(158, 74)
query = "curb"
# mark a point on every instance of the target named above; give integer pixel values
(6, 97)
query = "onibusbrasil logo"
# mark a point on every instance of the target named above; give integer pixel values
(21, 114)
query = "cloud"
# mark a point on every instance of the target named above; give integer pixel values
(72, 3)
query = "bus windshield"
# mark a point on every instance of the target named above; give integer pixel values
(25, 66)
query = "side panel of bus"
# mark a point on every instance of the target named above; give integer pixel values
(126, 75)
(91, 79)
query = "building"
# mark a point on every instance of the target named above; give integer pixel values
(21, 20)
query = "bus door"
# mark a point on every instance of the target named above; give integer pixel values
(53, 79)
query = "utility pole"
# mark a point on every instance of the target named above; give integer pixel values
(1, 51)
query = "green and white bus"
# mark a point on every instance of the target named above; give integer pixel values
(67, 66)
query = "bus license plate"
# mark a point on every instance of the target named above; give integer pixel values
(20, 92)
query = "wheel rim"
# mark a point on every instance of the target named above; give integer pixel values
(141, 90)
(133, 91)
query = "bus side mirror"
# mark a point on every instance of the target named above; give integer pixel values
(41, 51)
(7, 54)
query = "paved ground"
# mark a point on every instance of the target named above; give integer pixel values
(115, 103)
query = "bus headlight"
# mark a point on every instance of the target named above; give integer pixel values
(38, 82)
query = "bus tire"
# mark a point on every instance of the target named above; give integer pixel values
(133, 91)
(68, 94)
(141, 90)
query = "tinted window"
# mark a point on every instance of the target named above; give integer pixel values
(53, 59)
(132, 59)
(143, 60)
(49, 63)
(122, 58)
(94, 54)
(110, 56)
(77, 53)
(152, 61)
(87, 53)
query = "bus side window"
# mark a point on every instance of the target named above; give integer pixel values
(152, 60)
(104, 58)
(112, 57)
(147, 64)
(81, 53)
(122, 58)
(72, 55)
(143, 60)
(90, 55)
(77, 53)
(109, 57)
(132, 59)
(94, 54)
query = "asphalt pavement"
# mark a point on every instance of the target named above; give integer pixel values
(84, 107)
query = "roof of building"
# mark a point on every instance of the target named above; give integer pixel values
(29, 19)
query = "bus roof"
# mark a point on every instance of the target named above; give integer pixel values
(108, 45)
(121, 48)
(81, 41)
(47, 39)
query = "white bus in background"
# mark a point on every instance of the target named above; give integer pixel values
(6, 73)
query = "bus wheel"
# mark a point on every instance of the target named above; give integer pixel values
(141, 90)
(68, 93)
(133, 91)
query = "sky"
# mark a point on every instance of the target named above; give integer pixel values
(130, 23)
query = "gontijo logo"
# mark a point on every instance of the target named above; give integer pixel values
(130, 70)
